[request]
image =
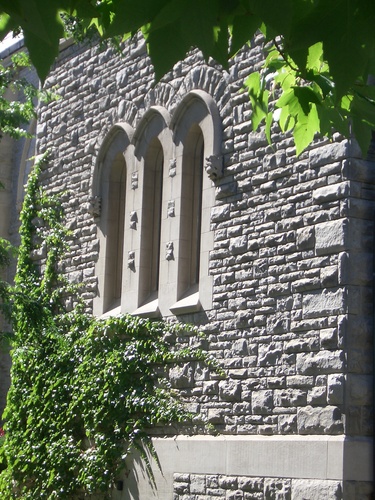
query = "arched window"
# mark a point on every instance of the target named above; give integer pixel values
(109, 195)
(152, 145)
(151, 222)
(191, 211)
(114, 232)
(196, 129)
(157, 192)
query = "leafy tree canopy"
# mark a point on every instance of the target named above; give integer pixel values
(320, 58)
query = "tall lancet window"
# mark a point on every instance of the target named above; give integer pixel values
(115, 233)
(191, 211)
(151, 222)
(108, 207)
(196, 127)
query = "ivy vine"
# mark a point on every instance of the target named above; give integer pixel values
(84, 390)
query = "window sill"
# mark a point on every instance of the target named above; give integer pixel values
(148, 310)
(116, 311)
(187, 305)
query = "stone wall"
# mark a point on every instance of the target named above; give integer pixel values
(291, 321)
(220, 487)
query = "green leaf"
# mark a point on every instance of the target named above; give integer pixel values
(306, 96)
(331, 119)
(286, 121)
(6, 25)
(367, 91)
(189, 24)
(363, 133)
(364, 109)
(198, 25)
(326, 85)
(305, 129)
(315, 56)
(259, 98)
(269, 120)
(363, 118)
(221, 45)
(127, 16)
(42, 28)
(276, 15)
(243, 28)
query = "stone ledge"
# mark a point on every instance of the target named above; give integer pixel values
(297, 457)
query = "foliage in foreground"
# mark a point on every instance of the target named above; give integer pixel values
(84, 390)
(18, 110)
(321, 58)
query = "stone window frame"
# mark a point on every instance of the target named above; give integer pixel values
(197, 111)
(154, 126)
(116, 144)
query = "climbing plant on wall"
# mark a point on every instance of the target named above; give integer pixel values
(84, 390)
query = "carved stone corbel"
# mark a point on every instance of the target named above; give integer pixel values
(134, 180)
(214, 166)
(169, 251)
(95, 206)
(170, 210)
(133, 220)
(131, 260)
(172, 167)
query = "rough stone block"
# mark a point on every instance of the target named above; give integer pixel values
(228, 482)
(320, 362)
(220, 213)
(324, 302)
(182, 377)
(328, 153)
(306, 238)
(302, 344)
(317, 396)
(230, 390)
(329, 276)
(197, 483)
(287, 424)
(250, 484)
(331, 192)
(215, 416)
(313, 489)
(238, 245)
(279, 323)
(331, 237)
(300, 381)
(262, 402)
(315, 420)
(335, 389)
(277, 489)
(328, 338)
(269, 354)
(289, 397)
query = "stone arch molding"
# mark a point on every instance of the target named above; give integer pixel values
(117, 140)
(159, 155)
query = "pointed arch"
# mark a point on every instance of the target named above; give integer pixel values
(109, 192)
(152, 146)
(197, 134)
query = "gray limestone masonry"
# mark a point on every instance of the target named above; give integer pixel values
(291, 317)
(220, 487)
